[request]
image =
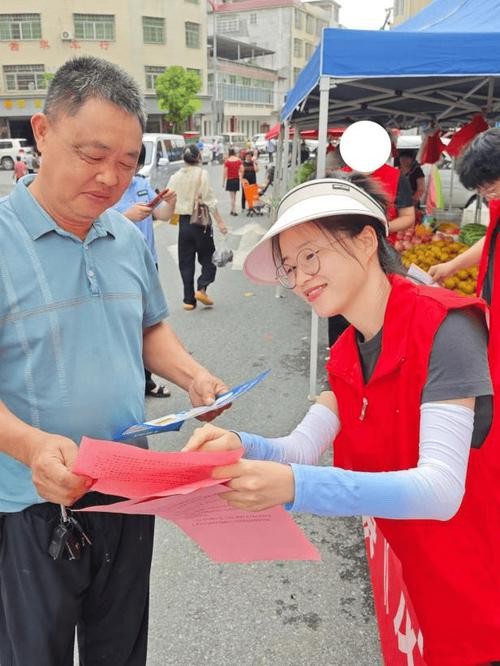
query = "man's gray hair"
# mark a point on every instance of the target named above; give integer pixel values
(81, 79)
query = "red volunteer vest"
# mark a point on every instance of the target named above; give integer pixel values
(451, 568)
(494, 324)
(388, 177)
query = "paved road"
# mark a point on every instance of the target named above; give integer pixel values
(279, 613)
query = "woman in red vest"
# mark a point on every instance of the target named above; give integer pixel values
(409, 385)
(479, 169)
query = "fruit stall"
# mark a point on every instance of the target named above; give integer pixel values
(427, 246)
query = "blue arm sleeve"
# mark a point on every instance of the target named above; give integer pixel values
(304, 445)
(259, 448)
(432, 490)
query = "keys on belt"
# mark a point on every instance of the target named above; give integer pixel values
(68, 538)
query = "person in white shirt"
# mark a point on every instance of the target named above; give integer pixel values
(195, 241)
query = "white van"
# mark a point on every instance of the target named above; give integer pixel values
(10, 149)
(234, 140)
(163, 157)
(409, 142)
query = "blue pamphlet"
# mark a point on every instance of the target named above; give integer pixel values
(172, 422)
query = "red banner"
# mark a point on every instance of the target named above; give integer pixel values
(433, 147)
(401, 640)
(465, 135)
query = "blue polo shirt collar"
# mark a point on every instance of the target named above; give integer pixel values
(38, 222)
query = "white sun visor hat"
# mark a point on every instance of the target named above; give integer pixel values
(312, 200)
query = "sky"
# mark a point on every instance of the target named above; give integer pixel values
(363, 14)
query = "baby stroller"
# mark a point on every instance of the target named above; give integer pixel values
(252, 197)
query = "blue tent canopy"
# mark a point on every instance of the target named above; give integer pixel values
(406, 76)
(453, 16)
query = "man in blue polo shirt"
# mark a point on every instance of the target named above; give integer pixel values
(79, 298)
(133, 204)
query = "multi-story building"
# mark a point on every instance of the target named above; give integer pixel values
(404, 9)
(289, 29)
(143, 36)
(245, 99)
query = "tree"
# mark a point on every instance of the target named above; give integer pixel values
(177, 89)
(47, 77)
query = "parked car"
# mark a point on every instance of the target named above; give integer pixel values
(163, 157)
(10, 149)
(259, 143)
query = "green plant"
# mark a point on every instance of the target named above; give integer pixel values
(305, 171)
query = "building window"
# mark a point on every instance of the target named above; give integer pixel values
(310, 24)
(228, 23)
(20, 26)
(94, 26)
(152, 72)
(298, 51)
(308, 50)
(235, 91)
(253, 19)
(299, 19)
(296, 72)
(192, 35)
(24, 77)
(153, 30)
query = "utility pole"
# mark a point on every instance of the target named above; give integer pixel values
(215, 106)
(387, 21)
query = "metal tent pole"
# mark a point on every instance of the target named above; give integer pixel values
(324, 92)
(283, 183)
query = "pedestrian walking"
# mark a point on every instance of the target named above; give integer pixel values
(20, 168)
(248, 172)
(412, 445)
(231, 177)
(82, 312)
(305, 153)
(270, 149)
(195, 241)
(29, 160)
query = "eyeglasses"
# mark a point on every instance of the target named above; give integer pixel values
(489, 190)
(308, 262)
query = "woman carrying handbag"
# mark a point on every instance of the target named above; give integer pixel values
(195, 204)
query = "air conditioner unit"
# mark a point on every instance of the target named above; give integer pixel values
(66, 36)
